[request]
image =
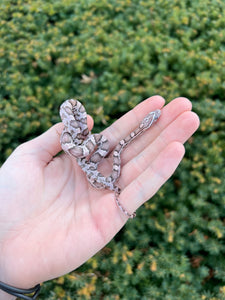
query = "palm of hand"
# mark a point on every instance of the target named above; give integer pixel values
(52, 220)
(52, 210)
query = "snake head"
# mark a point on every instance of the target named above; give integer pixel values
(151, 118)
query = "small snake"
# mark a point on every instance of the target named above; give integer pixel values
(89, 149)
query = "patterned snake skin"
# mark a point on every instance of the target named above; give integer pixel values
(89, 149)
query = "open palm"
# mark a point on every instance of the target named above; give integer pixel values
(52, 220)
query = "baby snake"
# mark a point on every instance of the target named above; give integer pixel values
(89, 149)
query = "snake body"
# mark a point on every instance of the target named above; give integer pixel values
(89, 149)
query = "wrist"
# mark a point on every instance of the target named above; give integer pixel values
(30, 293)
(11, 285)
(6, 296)
(12, 266)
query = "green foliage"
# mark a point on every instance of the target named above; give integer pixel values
(129, 50)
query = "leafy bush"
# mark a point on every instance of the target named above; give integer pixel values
(111, 55)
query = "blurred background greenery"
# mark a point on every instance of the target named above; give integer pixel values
(111, 55)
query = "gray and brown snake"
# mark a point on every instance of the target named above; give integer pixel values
(89, 149)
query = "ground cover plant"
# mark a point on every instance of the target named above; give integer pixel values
(111, 55)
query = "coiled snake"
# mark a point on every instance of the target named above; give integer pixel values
(89, 149)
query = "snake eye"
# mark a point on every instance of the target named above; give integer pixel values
(157, 114)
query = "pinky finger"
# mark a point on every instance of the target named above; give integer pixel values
(149, 182)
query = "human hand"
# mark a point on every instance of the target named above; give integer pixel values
(52, 220)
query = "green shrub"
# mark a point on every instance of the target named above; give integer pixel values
(129, 50)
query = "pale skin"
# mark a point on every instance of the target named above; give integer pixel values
(52, 220)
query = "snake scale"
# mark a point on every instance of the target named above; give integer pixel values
(89, 149)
